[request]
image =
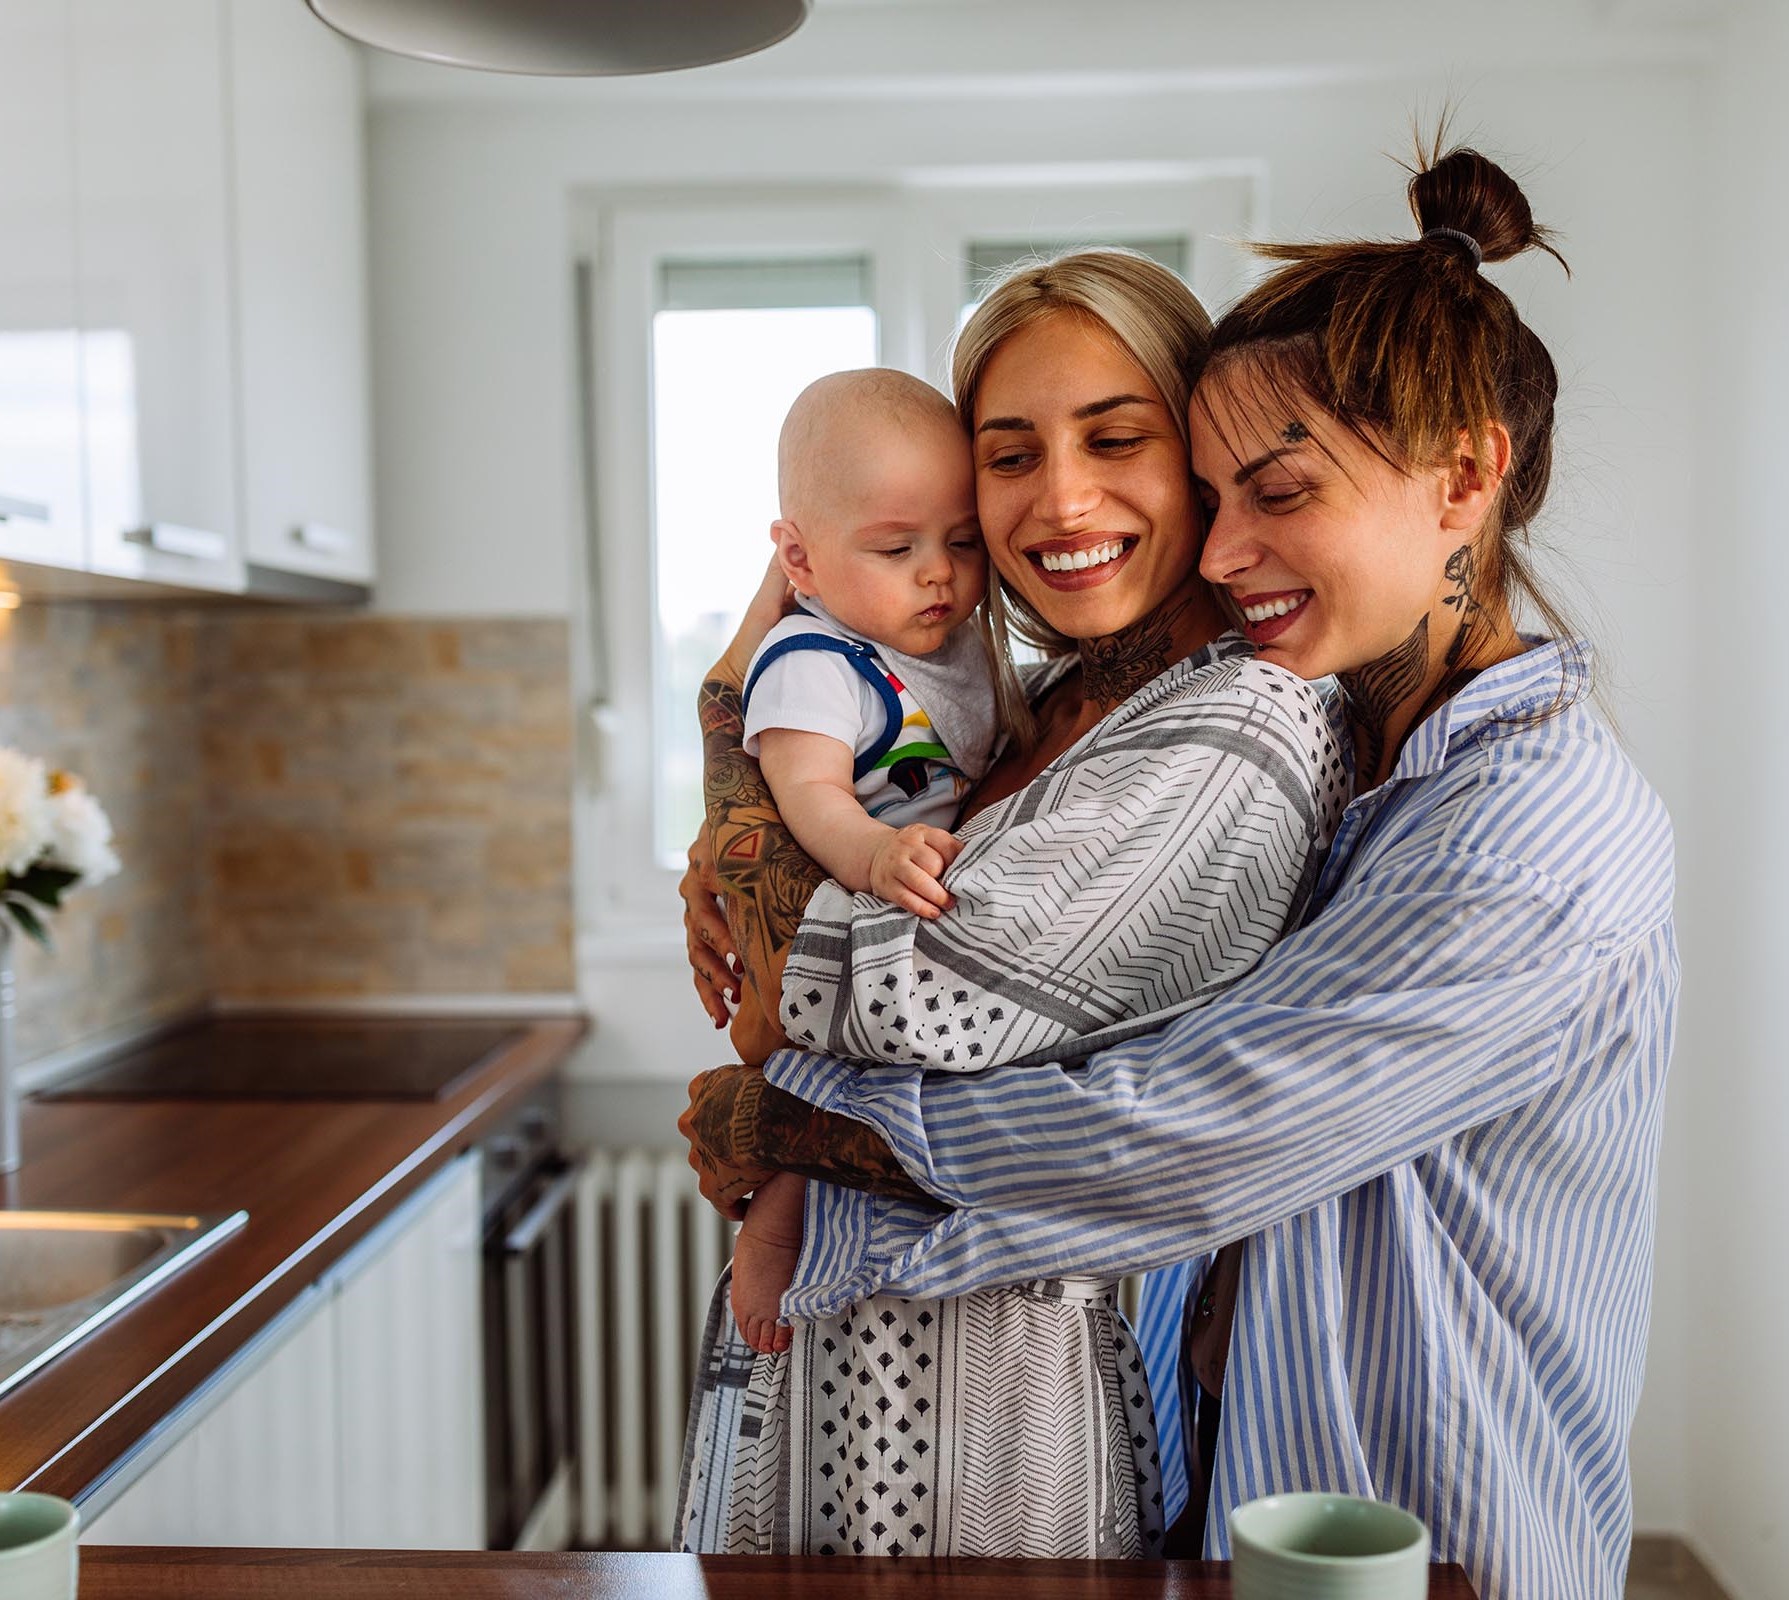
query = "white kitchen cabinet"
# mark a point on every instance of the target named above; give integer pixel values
(184, 394)
(358, 1423)
(410, 1375)
(262, 1467)
(153, 240)
(299, 188)
(42, 518)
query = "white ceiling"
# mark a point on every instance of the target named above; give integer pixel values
(916, 49)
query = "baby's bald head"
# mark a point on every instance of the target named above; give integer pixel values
(837, 423)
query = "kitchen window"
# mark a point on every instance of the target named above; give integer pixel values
(700, 324)
(733, 343)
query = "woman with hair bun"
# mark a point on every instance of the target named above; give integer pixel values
(1399, 1179)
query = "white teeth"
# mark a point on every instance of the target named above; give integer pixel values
(1274, 608)
(1080, 560)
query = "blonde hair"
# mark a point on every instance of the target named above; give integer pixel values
(1161, 326)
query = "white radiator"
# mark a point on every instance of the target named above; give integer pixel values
(649, 1251)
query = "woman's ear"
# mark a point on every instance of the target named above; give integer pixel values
(792, 555)
(1474, 479)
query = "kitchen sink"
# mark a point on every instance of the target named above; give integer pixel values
(63, 1273)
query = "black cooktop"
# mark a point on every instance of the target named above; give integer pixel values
(298, 1058)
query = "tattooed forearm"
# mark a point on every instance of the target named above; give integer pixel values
(793, 1136)
(767, 878)
(742, 1128)
(1375, 693)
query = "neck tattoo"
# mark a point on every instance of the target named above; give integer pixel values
(1462, 573)
(1116, 665)
(1375, 692)
(1456, 669)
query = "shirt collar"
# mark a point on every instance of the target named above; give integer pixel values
(1548, 674)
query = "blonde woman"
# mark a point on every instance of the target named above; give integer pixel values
(1147, 842)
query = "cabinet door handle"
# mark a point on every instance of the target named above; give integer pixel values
(323, 539)
(195, 544)
(22, 510)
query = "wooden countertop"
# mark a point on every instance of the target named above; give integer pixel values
(314, 1177)
(118, 1572)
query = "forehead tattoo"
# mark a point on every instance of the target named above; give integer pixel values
(1295, 432)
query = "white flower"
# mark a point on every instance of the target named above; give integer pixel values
(25, 820)
(81, 835)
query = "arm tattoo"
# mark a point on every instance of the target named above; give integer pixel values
(794, 1137)
(1377, 690)
(740, 1124)
(739, 1120)
(767, 877)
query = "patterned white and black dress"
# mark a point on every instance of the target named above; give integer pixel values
(1145, 869)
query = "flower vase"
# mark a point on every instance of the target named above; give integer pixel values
(9, 1088)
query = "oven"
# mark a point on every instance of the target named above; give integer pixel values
(530, 1351)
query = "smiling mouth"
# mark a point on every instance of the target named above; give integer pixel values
(1282, 605)
(1265, 619)
(1083, 559)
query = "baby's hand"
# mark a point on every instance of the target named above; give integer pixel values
(907, 866)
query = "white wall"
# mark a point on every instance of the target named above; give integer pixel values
(476, 481)
(1735, 868)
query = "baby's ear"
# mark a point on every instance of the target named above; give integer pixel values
(792, 555)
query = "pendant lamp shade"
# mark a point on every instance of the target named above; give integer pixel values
(567, 38)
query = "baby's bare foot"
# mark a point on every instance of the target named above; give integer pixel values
(762, 1270)
(764, 1257)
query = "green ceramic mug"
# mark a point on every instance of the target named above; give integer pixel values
(38, 1554)
(1327, 1547)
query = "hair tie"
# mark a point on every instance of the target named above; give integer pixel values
(1478, 250)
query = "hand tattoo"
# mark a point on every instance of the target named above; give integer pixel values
(719, 1126)
(1376, 691)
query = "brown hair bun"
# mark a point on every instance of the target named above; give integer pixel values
(1470, 193)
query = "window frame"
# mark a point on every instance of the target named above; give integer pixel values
(915, 237)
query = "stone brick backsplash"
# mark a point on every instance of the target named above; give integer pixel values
(308, 806)
(388, 805)
(110, 692)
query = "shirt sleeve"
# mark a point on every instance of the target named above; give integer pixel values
(809, 691)
(1388, 1025)
(1138, 876)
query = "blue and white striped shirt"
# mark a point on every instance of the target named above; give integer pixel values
(1433, 1112)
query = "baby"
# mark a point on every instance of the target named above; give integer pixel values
(872, 709)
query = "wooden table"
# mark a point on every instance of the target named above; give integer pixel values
(127, 1573)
